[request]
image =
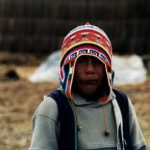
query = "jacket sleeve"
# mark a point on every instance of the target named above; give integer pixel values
(135, 131)
(45, 126)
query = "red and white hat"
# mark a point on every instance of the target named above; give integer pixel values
(83, 40)
(87, 35)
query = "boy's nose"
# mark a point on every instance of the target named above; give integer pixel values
(90, 67)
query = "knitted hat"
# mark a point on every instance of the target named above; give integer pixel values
(83, 40)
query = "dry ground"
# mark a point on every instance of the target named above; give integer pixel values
(19, 99)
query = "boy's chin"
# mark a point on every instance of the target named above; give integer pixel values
(89, 94)
(89, 90)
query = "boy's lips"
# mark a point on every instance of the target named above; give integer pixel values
(89, 82)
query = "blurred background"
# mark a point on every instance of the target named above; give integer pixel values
(31, 30)
(38, 26)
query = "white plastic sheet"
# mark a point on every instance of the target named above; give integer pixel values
(48, 71)
(128, 70)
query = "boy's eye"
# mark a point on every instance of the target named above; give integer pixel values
(96, 62)
(86, 59)
(82, 60)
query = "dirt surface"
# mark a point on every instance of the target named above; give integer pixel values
(19, 99)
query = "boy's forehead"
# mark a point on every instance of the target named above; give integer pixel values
(88, 57)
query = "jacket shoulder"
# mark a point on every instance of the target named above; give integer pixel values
(47, 108)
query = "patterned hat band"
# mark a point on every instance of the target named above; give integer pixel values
(87, 50)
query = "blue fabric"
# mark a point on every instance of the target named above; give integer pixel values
(122, 100)
(63, 80)
(143, 148)
(109, 148)
(68, 132)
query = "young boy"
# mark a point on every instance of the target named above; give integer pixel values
(86, 113)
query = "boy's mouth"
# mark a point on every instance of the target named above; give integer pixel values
(90, 82)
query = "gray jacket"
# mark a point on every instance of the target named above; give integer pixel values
(46, 125)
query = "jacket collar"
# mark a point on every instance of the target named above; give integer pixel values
(81, 101)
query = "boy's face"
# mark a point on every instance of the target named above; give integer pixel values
(89, 73)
